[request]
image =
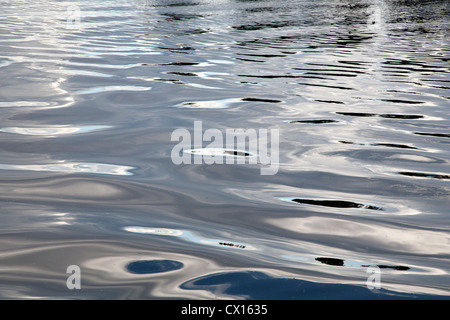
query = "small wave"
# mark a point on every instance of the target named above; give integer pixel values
(388, 145)
(386, 115)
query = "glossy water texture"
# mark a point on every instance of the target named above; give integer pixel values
(91, 91)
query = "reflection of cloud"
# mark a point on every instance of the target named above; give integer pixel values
(98, 168)
(113, 88)
(395, 239)
(12, 104)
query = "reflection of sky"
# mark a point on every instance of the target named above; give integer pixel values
(113, 88)
(98, 168)
(52, 131)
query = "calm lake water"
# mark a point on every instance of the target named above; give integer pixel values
(91, 92)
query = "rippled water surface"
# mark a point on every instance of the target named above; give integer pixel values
(91, 92)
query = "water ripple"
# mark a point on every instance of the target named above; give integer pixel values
(359, 91)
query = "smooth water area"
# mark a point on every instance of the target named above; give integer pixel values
(92, 91)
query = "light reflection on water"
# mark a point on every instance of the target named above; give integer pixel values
(98, 168)
(52, 131)
(359, 92)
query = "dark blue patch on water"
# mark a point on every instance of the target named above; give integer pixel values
(153, 266)
(254, 285)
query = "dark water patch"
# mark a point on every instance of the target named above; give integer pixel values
(354, 63)
(386, 115)
(401, 116)
(393, 145)
(175, 4)
(407, 64)
(399, 268)
(153, 266)
(341, 262)
(327, 74)
(261, 100)
(399, 91)
(442, 87)
(353, 66)
(261, 26)
(435, 80)
(313, 77)
(219, 152)
(174, 81)
(181, 49)
(269, 76)
(184, 74)
(250, 60)
(346, 40)
(409, 69)
(329, 101)
(237, 153)
(331, 261)
(262, 55)
(402, 101)
(181, 16)
(320, 121)
(262, 9)
(336, 204)
(233, 245)
(350, 72)
(439, 135)
(178, 64)
(325, 86)
(388, 145)
(425, 175)
(357, 114)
